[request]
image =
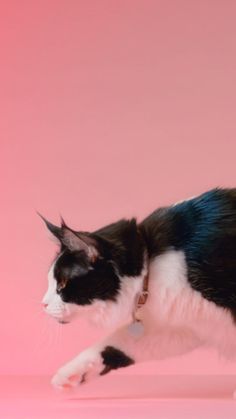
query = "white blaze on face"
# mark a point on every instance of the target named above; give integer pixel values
(55, 306)
(52, 286)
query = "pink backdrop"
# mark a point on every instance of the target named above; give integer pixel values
(108, 109)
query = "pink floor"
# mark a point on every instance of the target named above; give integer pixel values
(117, 396)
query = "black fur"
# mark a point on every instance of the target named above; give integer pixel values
(125, 246)
(204, 228)
(113, 359)
(83, 284)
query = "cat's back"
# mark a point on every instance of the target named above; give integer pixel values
(202, 232)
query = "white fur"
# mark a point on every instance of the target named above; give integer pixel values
(183, 200)
(174, 304)
(54, 305)
(176, 319)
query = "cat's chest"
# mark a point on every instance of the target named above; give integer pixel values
(169, 288)
(168, 272)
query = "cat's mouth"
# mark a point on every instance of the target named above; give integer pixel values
(61, 321)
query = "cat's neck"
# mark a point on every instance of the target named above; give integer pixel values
(125, 246)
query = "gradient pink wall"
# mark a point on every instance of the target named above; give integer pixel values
(108, 109)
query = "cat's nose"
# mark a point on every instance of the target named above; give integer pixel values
(44, 305)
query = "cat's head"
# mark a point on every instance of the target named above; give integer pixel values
(90, 274)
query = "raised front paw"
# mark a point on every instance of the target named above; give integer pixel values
(63, 381)
(83, 368)
(91, 363)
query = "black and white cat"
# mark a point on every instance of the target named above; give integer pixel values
(185, 254)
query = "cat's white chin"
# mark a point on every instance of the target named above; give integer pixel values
(66, 316)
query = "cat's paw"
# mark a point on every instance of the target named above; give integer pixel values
(62, 381)
(86, 366)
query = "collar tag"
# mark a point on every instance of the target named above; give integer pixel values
(136, 328)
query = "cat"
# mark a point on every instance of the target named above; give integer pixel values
(166, 285)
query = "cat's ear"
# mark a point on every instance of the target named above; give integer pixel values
(79, 241)
(55, 231)
(73, 240)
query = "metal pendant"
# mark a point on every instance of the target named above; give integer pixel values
(136, 328)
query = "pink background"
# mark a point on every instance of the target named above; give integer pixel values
(108, 109)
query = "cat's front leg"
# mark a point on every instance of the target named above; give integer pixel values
(87, 363)
(96, 361)
(123, 348)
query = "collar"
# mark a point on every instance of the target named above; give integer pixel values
(142, 297)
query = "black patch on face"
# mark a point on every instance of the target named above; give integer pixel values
(204, 228)
(85, 282)
(113, 359)
(120, 253)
